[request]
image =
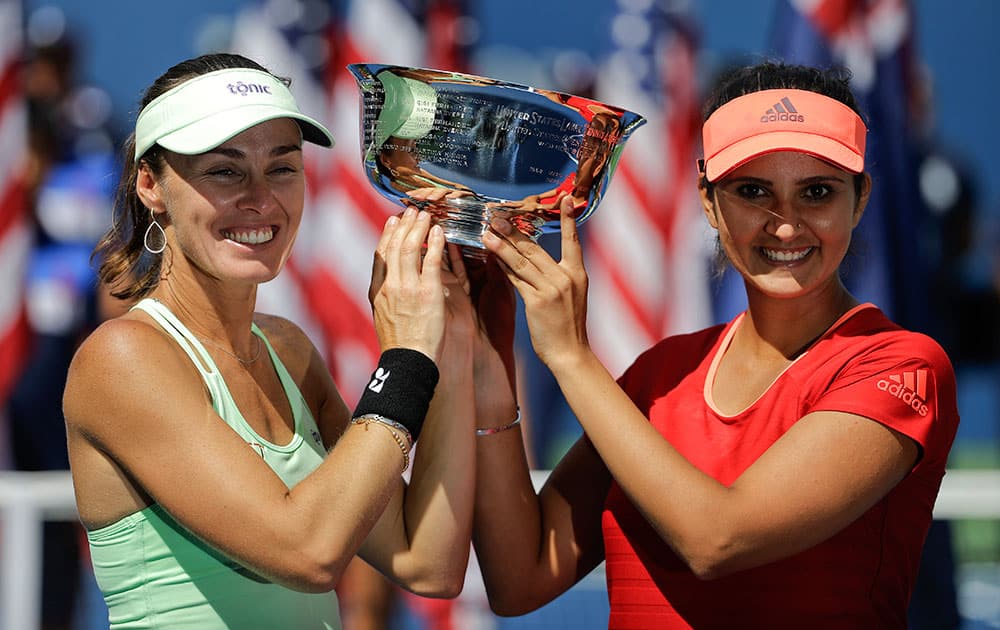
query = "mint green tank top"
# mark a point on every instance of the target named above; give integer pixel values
(156, 574)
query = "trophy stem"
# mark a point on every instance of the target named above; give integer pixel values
(465, 220)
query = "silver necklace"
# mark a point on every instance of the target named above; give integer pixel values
(243, 362)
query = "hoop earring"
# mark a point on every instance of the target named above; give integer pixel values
(162, 237)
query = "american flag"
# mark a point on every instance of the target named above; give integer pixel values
(325, 285)
(15, 236)
(648, 245)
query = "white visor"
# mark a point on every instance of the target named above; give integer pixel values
(203, 112)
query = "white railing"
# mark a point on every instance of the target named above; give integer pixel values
(29, 499)
(26, 501)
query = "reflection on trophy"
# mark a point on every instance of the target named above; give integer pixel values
(498, 148)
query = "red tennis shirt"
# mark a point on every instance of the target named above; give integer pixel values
(863, 576)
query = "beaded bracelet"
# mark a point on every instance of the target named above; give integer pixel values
(404, 445)
(375, 417)
(500, 429)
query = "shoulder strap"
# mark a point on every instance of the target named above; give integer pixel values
(188, 342)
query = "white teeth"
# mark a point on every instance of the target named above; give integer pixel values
(251, 237)
(778, 255)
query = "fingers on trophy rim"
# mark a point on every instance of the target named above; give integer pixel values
(435, 248)
(410, 248)
(387, 231)
(396, 236)
(570, 237)
(401, 225)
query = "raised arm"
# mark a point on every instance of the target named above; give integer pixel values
(530, 547)
(151, 429)
(151, 423)
(422, 541)
(715, 529)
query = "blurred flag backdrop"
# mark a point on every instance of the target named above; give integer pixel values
(15, 239)
(647, 249)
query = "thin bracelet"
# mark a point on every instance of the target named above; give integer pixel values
(500, 429)
(375, 417)
(368, 420)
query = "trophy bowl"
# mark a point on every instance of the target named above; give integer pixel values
(499, 148)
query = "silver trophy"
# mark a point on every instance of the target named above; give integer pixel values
(498, 148)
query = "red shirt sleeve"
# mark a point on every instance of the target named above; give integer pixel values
(904, 381)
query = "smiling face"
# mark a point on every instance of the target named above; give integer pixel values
(785, 221)
(233, 212)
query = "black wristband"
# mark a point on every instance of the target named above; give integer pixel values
(401, 388)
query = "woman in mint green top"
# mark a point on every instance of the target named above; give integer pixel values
(217, 469)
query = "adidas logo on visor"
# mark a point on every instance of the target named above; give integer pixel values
(783, 110)
(910, 387)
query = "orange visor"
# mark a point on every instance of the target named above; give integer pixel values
(782, 120)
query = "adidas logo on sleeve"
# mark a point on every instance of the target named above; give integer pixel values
(910, 387)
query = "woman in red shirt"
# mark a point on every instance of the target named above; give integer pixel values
(778, 470)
